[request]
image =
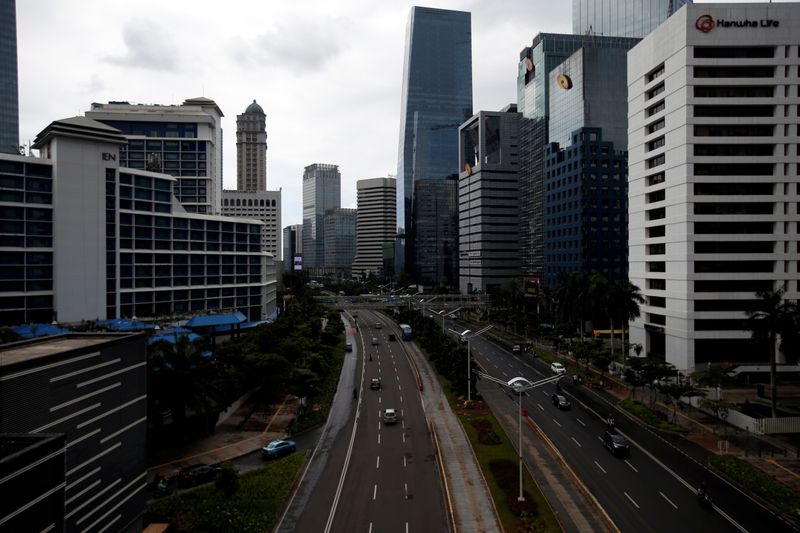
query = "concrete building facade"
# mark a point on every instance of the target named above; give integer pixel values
(713, 186)
(375, 227)
(261, 205)
(488, 208)
(251, 149)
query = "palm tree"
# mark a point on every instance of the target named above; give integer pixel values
(627, 298)
(771, 316)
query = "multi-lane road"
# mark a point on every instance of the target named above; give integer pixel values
(654, 489)
(377, 477)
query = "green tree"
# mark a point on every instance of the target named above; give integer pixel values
(771, 317)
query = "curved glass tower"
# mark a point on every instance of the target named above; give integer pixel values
(437, 98)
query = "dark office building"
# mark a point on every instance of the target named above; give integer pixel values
(437, 98)
(32, 482)
(9, 92)
(92, 389)
(537, 61)
(436, 236)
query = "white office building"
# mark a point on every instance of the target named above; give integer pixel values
(713, 183)
(262, 205)
(375, 226)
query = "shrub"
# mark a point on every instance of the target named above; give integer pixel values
(486, 434)
(759, 482)
(648, 416)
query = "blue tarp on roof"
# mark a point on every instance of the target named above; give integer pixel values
(124, 324)
(30, 331)
(214, 321)
(172, 335)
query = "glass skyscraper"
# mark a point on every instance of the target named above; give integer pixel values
(9, 94)
(437, 98)
(322, 191)
(621, 18)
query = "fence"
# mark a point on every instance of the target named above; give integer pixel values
(759, 426)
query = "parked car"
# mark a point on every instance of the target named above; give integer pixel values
(348, 347)
(560, 401)
(557, 368)
(389, 416)
(375, 341)
(392, 337)
(616, 444)
(375, 384)
(194, 475)
(516, 349)
(278, 448)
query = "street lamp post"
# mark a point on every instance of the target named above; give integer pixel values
(469, 360)
(444, 315)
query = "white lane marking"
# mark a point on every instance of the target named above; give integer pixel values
(379, 399)
(404, 461)
(504, 374)
(668, 500)
(497, 367)
(540, 406)
(375, 492)
(400, 387)
(402, 412)
(403, 424)
(406, 527)
(576, 442)
(630, 465)
(378, 462)
(379, 438)
(405, 489)
(580, 422)
(401, 398)
(631, 499)
(404, 437)
(556, 422)
(600, 467)
(545, 393)
(601, 439)
(370, 527)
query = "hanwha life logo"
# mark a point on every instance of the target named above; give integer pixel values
(704, 23)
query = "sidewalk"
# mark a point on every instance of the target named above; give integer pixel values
(228, 441)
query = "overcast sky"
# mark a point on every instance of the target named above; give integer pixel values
(327, 72)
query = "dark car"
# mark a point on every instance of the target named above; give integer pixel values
(375, 384)
(392, 337)
(516, 349)
(560, 401)
(278, 448)
(194, 475)
(348, 347)
(617, 444)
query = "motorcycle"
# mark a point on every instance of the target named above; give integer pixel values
(704, 499)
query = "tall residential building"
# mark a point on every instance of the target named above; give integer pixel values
(322, 191)
(251, 149)
(9, 92)
(89, 391)
(621, 18)
(184, 141)
(436, 99)
(261, 205)
(537, 61)
(340, 241)
(488, 212)
(713, 186)
(85, 238)
(586, 193)
(293, 247)
(375, 231)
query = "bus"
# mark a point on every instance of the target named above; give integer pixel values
(405, 329)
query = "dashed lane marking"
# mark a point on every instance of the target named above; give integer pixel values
(631, 499)
(668, 500)
(630, 465)
(576, 442)
(603, 470)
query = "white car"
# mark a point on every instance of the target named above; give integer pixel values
(558, 368)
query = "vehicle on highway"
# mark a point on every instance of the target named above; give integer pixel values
(348, 347)
(389, 416)
(194, 475)
(557, 368)
(375, 384)
(392, 337)
(516, 349)
(616, 444)
(375, 341)
(560, 401)
(278, 448)
(406, 331)
(378, 325)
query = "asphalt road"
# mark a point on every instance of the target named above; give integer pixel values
(642, 493)
(374, 477)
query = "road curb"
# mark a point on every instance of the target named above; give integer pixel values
(442, 473)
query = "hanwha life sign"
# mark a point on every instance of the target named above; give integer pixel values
(704, 23)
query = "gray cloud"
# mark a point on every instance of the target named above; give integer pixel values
(148, 46)
(299, 46)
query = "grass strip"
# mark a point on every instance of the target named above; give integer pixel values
(759, 482)
(648, 416)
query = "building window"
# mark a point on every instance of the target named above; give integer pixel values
(655, 91)
(655, 73)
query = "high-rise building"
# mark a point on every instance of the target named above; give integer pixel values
(262, 205)
(436, 231)
(85, 238)
(293, 247)
(536, 63)
(340, 241)
(375, 231)
(9, 91)
(621, 18)
(713, 187)
(488, 212)
(184, 141)
(251, 149)
(90, 391)
(322, 191)
(436, 99)
(586, 193)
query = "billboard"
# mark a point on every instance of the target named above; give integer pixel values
(298, 262)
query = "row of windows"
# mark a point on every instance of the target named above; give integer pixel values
(251, 307)
(734, 150)
(21, 197)
(197, 281)
(140, 220)
(730, 208)
(26, 169)
(187, 259)
(195, 246)
(248, 202)
(14, 212)
(713, 91)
